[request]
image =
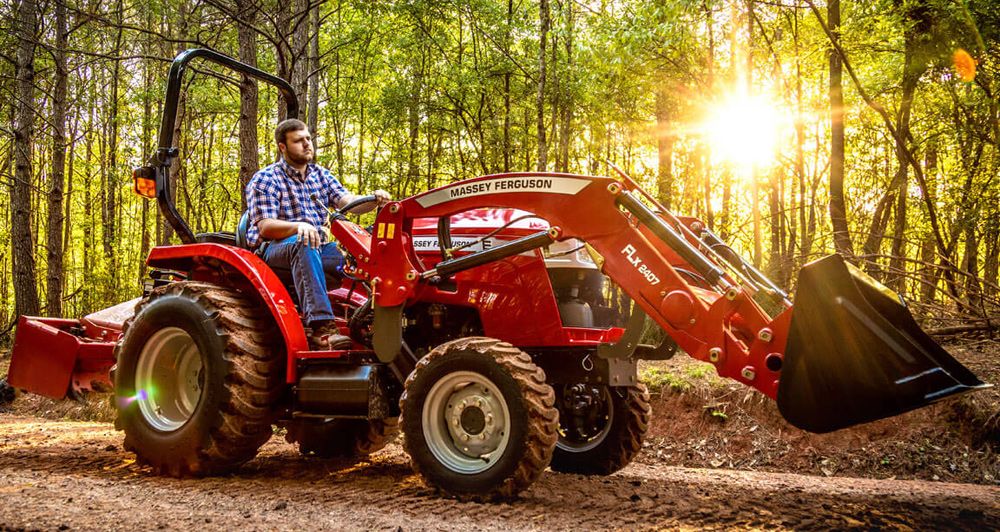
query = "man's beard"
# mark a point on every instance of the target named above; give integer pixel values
(298, 160)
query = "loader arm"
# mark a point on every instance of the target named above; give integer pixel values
(723, 326)
(682, 284)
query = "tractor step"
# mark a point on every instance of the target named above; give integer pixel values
(343, 390)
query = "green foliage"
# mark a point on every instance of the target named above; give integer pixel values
(679, 379)
(415, 94)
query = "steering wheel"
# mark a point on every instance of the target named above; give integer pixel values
(356, 203)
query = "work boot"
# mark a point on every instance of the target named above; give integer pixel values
(327, 337)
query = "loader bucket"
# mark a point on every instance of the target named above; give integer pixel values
(855, 353)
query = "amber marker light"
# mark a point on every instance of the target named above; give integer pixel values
(144, 182)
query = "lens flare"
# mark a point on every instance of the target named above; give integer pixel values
(965, 65)
(140, 395)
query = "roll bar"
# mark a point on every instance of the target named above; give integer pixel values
(158, 166)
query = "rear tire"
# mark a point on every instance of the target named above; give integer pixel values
(198, 378)
(7, 393)
(332, 438)
(613, 434)
(478, 418)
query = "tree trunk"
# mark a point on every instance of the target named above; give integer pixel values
(914, 67)
(776, 255)
(727, 199)
(991, 236)
(88, 222)
(110, 234)
(506, 89)
(249, 162)
(68, 201)
(300, 48)
(413, 115)
(928, 274)
(838, 206)
(754, 182)
(543, 33)
(54, 251)
(284, 54)
(664, 148)
(897, 256)
(312, 117)
(704, 156)
(972, 288)
(567, 92)
(22, 241)
(805, 236)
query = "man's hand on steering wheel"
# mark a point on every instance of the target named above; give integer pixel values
(379, 197)
(383, 197)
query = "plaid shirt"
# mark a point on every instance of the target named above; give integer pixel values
(280, 192)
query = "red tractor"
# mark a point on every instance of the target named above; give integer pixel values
(480, 328)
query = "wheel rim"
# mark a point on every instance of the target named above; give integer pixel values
(466, 422)
(168, 379)
(578, 443)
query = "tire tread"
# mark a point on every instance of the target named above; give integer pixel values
(539, 400)
(254, 382)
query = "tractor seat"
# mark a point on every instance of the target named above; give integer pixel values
(241, 230)
(238, 239)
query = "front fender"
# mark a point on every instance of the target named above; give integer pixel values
(187, 257)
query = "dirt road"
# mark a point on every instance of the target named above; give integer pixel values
(73, 475)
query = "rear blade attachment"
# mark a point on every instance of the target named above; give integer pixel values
(855, 353)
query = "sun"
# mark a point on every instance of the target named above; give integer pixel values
(743, 129)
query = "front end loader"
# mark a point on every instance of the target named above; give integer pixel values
(482, 328)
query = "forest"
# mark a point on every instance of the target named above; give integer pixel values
(794, 128)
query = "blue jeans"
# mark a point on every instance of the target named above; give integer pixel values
(308, 266)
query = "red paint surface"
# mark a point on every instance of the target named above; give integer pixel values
(189, 257)
(46, 358)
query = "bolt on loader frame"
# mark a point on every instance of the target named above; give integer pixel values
(215, 352)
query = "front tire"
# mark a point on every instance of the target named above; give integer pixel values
(479, 420)
(605, 437)
(198, 376)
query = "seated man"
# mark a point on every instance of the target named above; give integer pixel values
(288, 204)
